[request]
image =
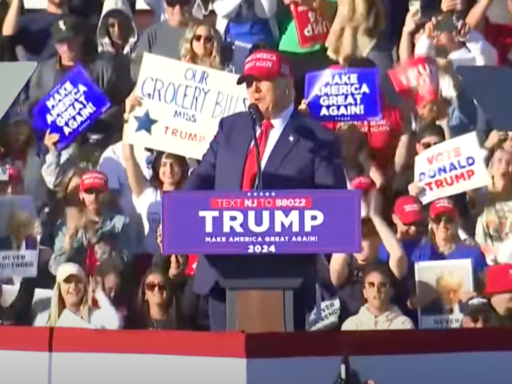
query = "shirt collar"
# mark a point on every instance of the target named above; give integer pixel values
(282, 119)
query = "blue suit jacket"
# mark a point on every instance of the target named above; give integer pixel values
(306, 156)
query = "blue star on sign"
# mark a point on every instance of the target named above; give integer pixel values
(144, 122)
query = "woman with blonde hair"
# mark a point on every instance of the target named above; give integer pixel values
(201, 45)
(357, 30)
(494, 224)
(72, 293)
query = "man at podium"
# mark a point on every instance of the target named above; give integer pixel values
(295, 153)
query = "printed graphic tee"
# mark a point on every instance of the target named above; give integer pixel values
(493, 227)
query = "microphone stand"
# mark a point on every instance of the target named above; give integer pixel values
(258, 185)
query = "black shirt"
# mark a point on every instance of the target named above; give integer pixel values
(34, 34)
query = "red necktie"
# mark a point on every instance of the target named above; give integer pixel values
(251, 166)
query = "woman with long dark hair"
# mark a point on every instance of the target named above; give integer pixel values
(169, 172)
(157, 306)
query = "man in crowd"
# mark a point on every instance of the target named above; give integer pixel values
(32, 31)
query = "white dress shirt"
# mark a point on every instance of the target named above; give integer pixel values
(278, 124)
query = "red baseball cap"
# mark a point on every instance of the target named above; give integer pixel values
(498, 279)
(94, 180)
(442, 206)
(264, 64)
(408, 210)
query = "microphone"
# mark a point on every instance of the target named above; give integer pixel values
(257, 119)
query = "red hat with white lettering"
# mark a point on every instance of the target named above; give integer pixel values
(264, 64)
(408, 210)
(498, 279)
(94, 180)
(442, 207)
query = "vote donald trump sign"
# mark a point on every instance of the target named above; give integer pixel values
(452, 167)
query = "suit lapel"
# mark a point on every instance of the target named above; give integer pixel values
(287, 140)
(242, 140)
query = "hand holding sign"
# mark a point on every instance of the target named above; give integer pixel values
(71, 107)
(51, 140)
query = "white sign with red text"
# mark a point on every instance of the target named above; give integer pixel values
(182, 105)
(451, 167)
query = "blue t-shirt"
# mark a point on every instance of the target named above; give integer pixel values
(408, 245)
(246, 27)
(427, 251)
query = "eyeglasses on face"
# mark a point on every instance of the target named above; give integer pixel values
(428, 144)
(447, 219)
(206, 39)
(151, 286)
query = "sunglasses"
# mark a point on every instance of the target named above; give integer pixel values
(380, 285)
(96, 192)
(427, 144)
(151, 286)
(207, 39)
(447, 219)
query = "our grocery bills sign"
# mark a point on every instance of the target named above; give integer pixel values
(343, 94)
(182, 104)
(451, 167)
(71, 107)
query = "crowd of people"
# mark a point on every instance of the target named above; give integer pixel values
(98, 202)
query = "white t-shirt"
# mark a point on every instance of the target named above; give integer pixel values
(149, 206)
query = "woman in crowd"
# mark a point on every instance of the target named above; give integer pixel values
(110, 275)
(193, 306)
(89, 227)
(66, 195)
(71, 293)
(357, 30)
(158, 306)
(169, 172)
(201, 45)
(444, 242)
(19, 149)
(493, 225)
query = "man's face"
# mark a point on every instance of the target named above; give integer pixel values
(68, 49)
(427, 142)
(118, 28)
(377, 290)
(178, 10)
(410, 230)
(92, 199)
(264, 94)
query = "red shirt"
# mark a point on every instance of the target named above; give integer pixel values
(500, 37)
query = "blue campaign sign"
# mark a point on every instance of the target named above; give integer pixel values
(282, 222)
(71, 107)
(351, 94)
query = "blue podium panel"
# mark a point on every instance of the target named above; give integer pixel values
(281, 222)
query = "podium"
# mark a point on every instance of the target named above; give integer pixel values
(261, 247)
(260, 289)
